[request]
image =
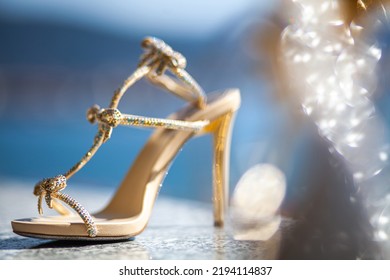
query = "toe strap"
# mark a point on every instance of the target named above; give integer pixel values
(49, 190)
(81, 211)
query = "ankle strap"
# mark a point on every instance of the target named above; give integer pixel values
(154, 63)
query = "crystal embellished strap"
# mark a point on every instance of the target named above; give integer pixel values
(81, 211)
(157, 59)
(113, 118)
(49, 189)
(166, 123)
(186, 87)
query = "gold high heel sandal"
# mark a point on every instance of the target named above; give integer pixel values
(129, 210)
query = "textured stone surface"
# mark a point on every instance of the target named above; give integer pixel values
(178, 229)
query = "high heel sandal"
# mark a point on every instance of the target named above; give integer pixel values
(127, 214)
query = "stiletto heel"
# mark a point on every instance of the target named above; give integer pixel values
(221, 130)
(128, 212)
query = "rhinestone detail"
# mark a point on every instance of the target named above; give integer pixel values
(49, 188)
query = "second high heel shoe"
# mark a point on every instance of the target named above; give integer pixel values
(128, 212)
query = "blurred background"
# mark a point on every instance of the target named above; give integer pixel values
(57, 58)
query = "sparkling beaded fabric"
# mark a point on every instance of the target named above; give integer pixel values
(332, 66)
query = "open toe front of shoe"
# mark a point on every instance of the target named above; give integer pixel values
(51, 227)
(72, 228)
